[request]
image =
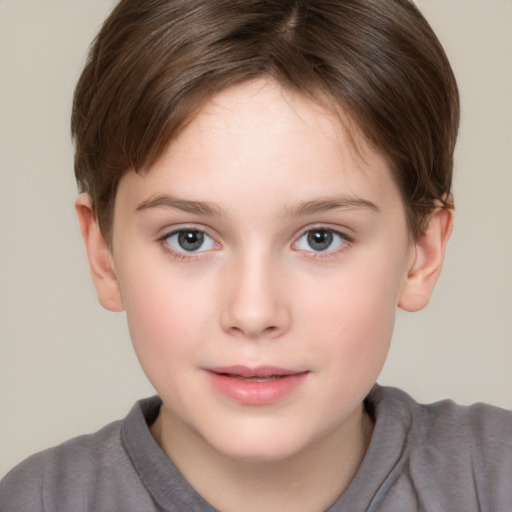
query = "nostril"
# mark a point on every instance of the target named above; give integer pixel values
(271, 330)
(267, 332)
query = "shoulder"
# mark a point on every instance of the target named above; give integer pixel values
(476, 438)
(481, 428)
(84, 472)
(33, 483)
(449, 450)
(482, 425)
(447, 426)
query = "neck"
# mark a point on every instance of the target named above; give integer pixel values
(310, 480)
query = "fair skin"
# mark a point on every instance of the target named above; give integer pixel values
(260, 262)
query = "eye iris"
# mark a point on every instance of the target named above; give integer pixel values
(320, 240)
(190, 240)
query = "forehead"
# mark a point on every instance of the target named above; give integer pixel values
(261, 114)
(258, 135)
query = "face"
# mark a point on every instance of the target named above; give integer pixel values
(260, 263)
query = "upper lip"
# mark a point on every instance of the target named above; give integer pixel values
(254, 371)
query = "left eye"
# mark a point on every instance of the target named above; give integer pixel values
(190, 240)
(321, 240)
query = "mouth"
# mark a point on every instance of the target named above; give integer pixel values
(256, 374)
(254, 379)
(256, 385)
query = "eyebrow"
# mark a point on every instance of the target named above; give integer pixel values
(330, 203)
(303, 208)
(185, 205)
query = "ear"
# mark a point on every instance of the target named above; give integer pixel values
(427, 260)
(99, 255)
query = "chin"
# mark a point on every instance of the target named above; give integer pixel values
(258, 447)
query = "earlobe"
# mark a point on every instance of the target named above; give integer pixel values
(99, 255)
(427, 261)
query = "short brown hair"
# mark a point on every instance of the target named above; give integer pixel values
(155, 63)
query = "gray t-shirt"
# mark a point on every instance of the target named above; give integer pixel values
(439, 457)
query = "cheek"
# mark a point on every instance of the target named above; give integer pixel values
(358, 326)
(354, 314)
(166, 313)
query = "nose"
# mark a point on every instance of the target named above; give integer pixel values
(254, 304)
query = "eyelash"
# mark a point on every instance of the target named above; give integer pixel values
(179, 256)
(193, 255)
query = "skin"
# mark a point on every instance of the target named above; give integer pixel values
(258, 170)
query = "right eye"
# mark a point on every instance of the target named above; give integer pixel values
(189, 241)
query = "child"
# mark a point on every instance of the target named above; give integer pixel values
(263, 183)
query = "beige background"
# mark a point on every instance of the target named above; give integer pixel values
(66, 366)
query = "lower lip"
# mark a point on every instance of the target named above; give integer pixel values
(256, 392)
